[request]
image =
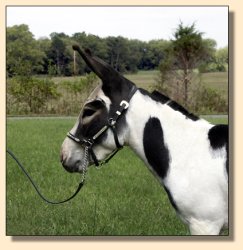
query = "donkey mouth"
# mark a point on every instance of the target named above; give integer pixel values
(75, 168)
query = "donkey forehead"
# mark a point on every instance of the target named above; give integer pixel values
(98, 93)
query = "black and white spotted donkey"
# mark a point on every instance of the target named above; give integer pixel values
(188, 155)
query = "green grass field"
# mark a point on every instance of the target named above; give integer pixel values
(214, 80)
(121, 198)
(148, 79)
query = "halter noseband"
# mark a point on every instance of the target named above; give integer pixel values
(111, 123)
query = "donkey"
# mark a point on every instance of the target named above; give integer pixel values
(188, 155)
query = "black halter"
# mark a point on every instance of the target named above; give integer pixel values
(111, 123)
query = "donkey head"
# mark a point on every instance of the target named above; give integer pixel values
(98, 131)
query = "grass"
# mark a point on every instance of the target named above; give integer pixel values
(122, 198)
(214, 80)
(144, 79)
(148, 79)
(217, 81)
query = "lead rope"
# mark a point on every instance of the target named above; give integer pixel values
(85, 165)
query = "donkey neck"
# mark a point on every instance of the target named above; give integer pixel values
(178, 130)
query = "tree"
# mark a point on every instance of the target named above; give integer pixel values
(134, 55)
(117, 49)
(44, 44)
(187, 51)
(59, 55)
(218, 63)
(222, 59)
(24, 55)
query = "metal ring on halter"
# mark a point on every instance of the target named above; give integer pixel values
(88, 143)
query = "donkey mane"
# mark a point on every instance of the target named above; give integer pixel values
(159, 97)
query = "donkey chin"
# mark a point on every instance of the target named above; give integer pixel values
(73, 160)
(72, 165)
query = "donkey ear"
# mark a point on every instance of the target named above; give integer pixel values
(95, 64)
(110, 77)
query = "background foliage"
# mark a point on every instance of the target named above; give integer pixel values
(122, 53)
(33, 65)
(180, 72)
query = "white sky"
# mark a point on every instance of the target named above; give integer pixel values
(143, 23)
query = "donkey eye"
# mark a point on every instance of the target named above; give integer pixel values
(88, 112)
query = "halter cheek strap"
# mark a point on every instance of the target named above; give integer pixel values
(113, 129)
(111, 123)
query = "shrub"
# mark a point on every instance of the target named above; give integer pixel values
(201, 100)
(29, 94)
(32, 95)
(205, 100)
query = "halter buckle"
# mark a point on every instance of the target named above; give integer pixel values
(125, 103)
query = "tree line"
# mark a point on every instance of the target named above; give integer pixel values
(179, 63)
(54, 55)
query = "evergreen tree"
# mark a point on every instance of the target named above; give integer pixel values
(187, 51)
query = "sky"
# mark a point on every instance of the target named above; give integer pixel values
(143, 23)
